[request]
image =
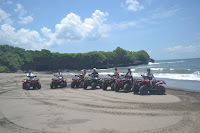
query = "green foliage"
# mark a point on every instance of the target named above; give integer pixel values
(4, 69)
(14, 58)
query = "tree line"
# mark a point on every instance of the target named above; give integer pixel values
(15, 58)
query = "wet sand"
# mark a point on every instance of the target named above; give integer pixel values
(93, 111)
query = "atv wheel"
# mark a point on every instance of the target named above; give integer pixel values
(84, 86)
(72, 85)
(39, 86)
(160, 90)
(34, 86)
(135, 89)
(104, 86)
(94, 85)
(65, 84)
(24, 85)
(116, 87)
(62, 84)
(81, 84)
(27, 86)
(51, 85)
(77, 85)
(143, 90)
(127, 88)
(112, 86)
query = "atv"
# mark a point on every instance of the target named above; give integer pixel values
(143, 86)
(31, 81)
(124, 83)
(106, 82)
(92, 81)
(58, 81)
(77, 82)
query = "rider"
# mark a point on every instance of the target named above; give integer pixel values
(129, 74)
(95, 73)
(30, 74)
(116, 73)
(150, 77)
(83, 73)
(59, 74)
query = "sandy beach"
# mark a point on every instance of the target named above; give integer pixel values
(66, 110)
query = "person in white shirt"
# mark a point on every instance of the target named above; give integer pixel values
(30, 74)
(59, 74)
(151, 77)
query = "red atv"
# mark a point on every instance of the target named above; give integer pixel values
(124, 83)
(143, 86)
(106, 82)
(58, 81)
(77, 82)
(31, 81)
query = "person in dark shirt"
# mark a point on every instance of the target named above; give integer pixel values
(95, 73)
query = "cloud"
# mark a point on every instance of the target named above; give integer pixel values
(5, 17)
(124, 25)
(187, 51)
(22, 12)
(71, 28)
(184, 49)
(25, 20)
(132, 5)
(25, 38)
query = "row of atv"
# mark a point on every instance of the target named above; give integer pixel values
(34, 82)
(126, 84)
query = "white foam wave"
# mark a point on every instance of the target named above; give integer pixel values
(156, 69)
(178, 76)
(132, 69)
(151, 63)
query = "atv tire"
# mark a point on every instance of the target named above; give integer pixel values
(143, 90)
(24, 86)
(127, 88)
(160, 90)
(65, 84)
(51, 85)
(135, 89)
(34, 86)
(72, 85)
(93, 85)
(39, 86)
(27, 86)
(85, 86)
(81, 84)
(77, 85)
(112, 86)
(104, 86)
(62, 84)
(116, 87)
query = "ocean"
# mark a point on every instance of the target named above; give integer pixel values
(179, 73)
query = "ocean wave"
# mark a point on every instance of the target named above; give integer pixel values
(151, 63)
(178, 76)
(157, 69)
(132, 69)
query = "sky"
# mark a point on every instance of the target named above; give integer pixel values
(167, 29)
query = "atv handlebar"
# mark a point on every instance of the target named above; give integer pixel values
(31, 76)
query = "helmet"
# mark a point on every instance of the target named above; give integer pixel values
(129, 68)
(148, 69)
(94, 69)
(116, 68)
(29, 71)
(58, 70)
